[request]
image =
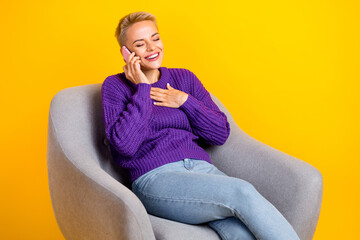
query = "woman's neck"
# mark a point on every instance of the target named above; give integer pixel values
(152, 75)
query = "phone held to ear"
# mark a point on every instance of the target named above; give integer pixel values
(126, 53)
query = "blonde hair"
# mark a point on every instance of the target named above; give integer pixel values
(127, 21)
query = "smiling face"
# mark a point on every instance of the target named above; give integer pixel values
(143, 39)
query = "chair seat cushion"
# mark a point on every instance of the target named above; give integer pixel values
(165, 229)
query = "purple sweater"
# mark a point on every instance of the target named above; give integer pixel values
(144, 136)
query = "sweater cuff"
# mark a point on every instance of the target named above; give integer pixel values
(143, 89)
(190, 104)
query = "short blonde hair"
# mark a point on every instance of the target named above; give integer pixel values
(127, 21)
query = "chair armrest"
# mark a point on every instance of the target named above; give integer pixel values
(293, 186)
(88, 203)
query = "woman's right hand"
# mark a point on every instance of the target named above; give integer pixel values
(133, 71)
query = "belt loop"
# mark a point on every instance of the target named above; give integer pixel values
(188, 163)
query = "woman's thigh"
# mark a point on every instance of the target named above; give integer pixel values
(191, 192)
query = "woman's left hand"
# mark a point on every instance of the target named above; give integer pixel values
(169, 97)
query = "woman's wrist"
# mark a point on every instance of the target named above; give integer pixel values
(184, 98)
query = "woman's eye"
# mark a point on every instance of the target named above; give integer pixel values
(143, 44)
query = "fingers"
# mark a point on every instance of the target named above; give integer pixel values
(169, 97)
(162, 94)
(166, 91)
(131, 66)
(163, 104)
(131, 57)
(158, 90)
(130, 61)
(133, 61)
(164, 98)
(166, 104)
(158, 96)
(168, 86)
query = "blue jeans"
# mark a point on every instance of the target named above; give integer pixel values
(194, 191)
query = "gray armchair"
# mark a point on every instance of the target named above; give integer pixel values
(91, 199)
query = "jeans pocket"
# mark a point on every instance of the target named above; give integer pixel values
(141, 183)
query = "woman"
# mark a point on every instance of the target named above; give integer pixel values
(155, 117)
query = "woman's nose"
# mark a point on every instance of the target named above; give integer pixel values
(151, 47)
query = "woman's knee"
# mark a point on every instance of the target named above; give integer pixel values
(243, 189)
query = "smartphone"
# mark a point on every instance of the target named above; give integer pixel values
(125, 52)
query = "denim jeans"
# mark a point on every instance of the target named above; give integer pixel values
(194, 191)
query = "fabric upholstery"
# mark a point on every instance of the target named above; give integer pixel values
(91, 199)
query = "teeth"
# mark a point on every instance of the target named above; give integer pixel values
(153, 56)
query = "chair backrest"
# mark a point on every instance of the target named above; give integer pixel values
(76, 115)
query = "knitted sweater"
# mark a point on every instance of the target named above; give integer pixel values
(144, 136)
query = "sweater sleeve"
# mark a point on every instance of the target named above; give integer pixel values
(206, 119)
(126, 122)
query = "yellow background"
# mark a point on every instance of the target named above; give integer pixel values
(288, 71)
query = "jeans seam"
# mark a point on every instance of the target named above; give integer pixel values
(183, 199)
(177, 199)
(146, 195)
(247, 225)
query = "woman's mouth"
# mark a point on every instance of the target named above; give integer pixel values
(153, 57)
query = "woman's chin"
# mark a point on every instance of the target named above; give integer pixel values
(153, 66)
